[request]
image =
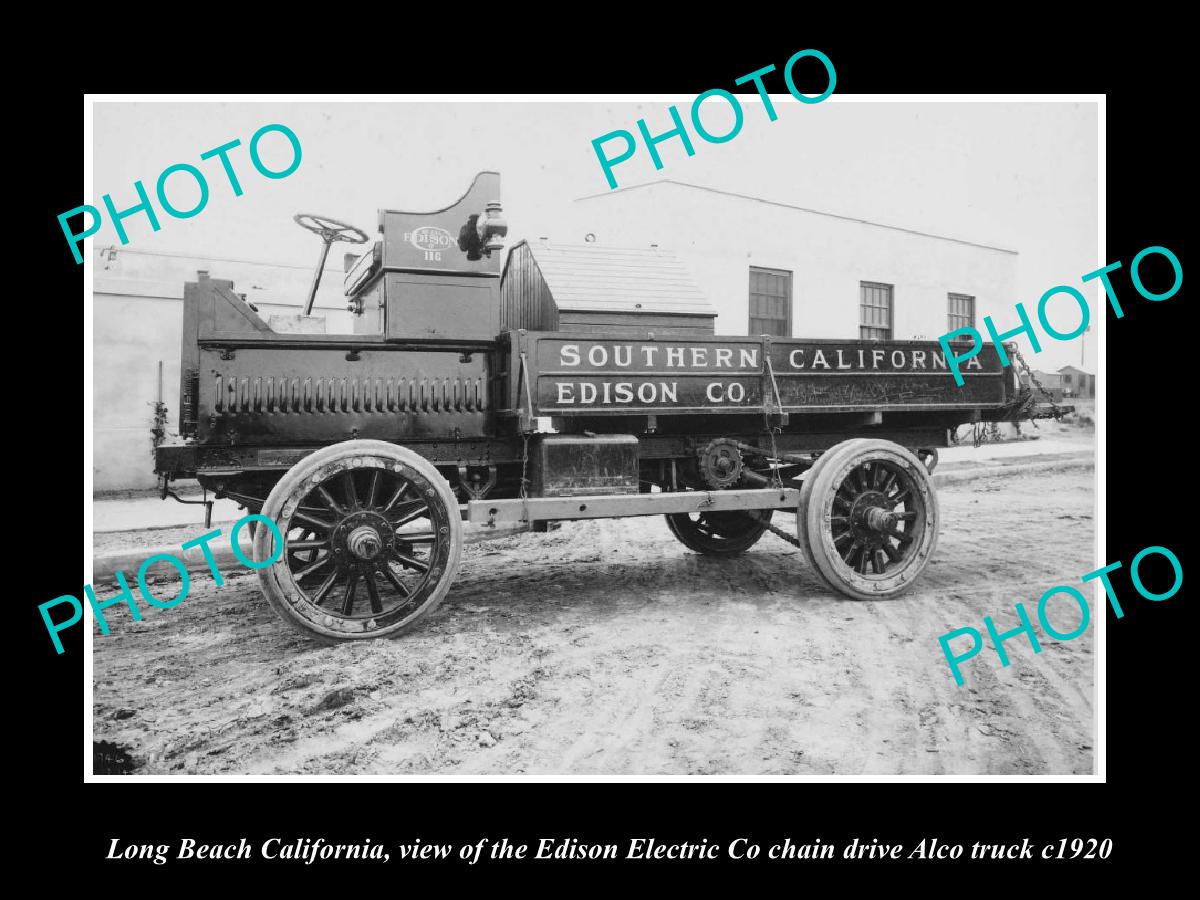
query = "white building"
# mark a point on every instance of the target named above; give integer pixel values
(137, 319)
(773, 268)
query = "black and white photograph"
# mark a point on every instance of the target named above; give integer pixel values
(581, 438)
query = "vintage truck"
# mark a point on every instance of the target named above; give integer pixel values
(576, 382)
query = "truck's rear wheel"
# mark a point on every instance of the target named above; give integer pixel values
(722, 533)
(868, 518)
(373, 541)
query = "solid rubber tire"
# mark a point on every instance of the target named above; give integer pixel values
(736, 545)
(268, 578)
(822, 480)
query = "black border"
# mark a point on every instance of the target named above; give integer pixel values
(1146, 350)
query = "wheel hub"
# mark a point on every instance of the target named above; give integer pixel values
(364, 542)
(880, 520)
(869, 518)
(363, 537)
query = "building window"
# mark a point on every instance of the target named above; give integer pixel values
(876, 312)
(770, 302)
(961, 314)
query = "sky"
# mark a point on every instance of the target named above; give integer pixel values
(1022, 176)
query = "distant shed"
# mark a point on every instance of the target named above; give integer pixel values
(587, 287)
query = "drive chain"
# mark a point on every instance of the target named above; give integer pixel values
(786, 535)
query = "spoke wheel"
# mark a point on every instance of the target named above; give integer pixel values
(868, 518)
(723, 533)
(373, 540)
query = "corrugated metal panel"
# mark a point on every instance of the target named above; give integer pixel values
(594, 278)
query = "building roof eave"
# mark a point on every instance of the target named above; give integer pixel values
(805, 209)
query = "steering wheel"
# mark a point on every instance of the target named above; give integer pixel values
(330, 230)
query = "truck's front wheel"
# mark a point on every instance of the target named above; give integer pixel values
(373, 541)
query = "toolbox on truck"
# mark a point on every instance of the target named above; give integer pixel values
(569, 465)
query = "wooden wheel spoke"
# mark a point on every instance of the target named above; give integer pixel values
(325, 588)
(312, 567)
(416, 537)
(348, 487)
(892, 553)
(410, 510)
(320, 524)
(330, 501)
(889, 484)
(879, 562)
(839, 520)
(396, 582)
(844, 536)
(373, 490)
(308, 545)
(856, 546)
(395, 498)
(348, 596)
(906, 516)
(410, 562)
(373, 593)
(895, 501)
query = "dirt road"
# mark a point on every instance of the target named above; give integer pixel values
(609, 648)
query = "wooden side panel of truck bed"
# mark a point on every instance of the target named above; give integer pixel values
(572, 374)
